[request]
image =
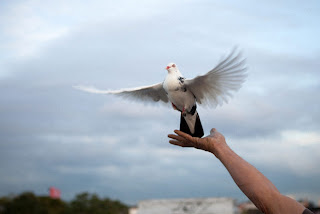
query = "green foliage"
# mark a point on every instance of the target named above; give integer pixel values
(29, 203)
(84, 203)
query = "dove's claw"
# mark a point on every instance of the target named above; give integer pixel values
(184, 113)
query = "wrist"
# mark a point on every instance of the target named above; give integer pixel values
(220, 149)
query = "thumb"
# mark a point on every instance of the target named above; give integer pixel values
(212, 131)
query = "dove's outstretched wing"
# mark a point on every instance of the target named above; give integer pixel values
(216, 86)
(154, 92)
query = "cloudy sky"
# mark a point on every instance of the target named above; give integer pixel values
(54, 135)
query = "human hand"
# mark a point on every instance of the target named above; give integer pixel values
(210, 143)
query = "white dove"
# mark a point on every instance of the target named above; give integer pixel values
(211, 89)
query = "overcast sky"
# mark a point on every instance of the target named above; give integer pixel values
(54, 135)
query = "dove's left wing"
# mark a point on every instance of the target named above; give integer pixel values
(217, 85)
(154, 92)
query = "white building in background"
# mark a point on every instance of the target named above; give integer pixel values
(133, 210)
(186, 206)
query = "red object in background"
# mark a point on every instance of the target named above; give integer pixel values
(54, 193)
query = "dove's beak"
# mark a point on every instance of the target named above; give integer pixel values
(167, 68)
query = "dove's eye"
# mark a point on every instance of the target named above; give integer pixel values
(173, 65)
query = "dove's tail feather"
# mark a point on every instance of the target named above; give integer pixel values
(191, 125)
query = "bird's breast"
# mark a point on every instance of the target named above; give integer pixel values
(177, 92)
(173, 83)
(182, 99)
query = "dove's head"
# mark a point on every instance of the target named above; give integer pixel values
(172, 67)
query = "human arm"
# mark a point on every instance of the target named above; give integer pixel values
(251, 182)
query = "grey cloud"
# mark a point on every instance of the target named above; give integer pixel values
(53, 134)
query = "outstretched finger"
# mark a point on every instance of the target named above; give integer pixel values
(177, 137)
(184, 135)
(179, 143)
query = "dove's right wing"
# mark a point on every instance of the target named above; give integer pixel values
(154, 92)
(217, 85)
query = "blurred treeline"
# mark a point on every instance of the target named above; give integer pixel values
(84, 203)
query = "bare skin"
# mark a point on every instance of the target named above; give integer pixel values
(252, 183)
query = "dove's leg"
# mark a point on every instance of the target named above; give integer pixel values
(183, 112)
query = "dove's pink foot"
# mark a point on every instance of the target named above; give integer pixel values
(183, 112)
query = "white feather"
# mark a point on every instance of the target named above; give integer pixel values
(145, 93)
(216, 86)
(90, 89)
